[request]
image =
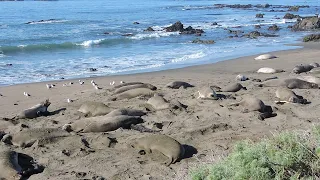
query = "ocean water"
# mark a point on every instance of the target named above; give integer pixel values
(76, 35)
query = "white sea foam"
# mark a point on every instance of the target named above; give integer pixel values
(48, 21)
(153, 35)
(196, 55)
(90, 43)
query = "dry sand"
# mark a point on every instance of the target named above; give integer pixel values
(208, 126)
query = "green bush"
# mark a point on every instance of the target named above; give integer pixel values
(285, 156)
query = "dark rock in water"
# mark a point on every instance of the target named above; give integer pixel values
(106, 33)
(311, 37)
(289, 27)
(106, 66)
(214, 24)
(178, 27)
(237, 6)
(274, 28)
(62, 78)
(256, 34)
(290, 16)
(199, 41)
(259, 15)
(235, 32)
(128, 34)
(262, 5)
(92, 69)
(294, 8)
(136, 23)
(8, 64)
(257, 27)
(149, 29)
(307, 23)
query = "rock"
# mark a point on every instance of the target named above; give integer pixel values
(307, 23)
(290, 16)
(92, 69)
(274, 28)
(190, 30)
(235, 32)
(199, 41)
(178, 26)
(311, 37)
(214, 24)
(289, 27)
(257, 27)
(259, 15)
(127, 34)
(253, 34)
(294, 8)
(136, 23)
(149, 29)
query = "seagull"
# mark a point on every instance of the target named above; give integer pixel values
(112, 83)
(64, 84)
(49, 86)
(81, 82)
(97, 88)
(94, 84)
(121, 82)
(70, 83)
(26, 94)
(92, 81)
(69, 100)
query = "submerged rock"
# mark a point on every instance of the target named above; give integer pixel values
(290, 16)
(149, 29)
(199, 41)
(274, 28)
(259, 15)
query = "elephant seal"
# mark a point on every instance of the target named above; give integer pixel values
(292, 83)
(286, 95)
(207, 92)
(302, 68)
(127, 84)
(251, 104)
(127, 112)
(315, 65)
(268, 70)
(158, 102)
(129, 87)
(102, 124)
(163, 144)
(265, 57)
(315, 70)
(310, 79)
(233, 88)
(133, 93)
(28, 137)
(94, 108)
(178, 84)
(241, 77)
(9, 166)
(35, 111)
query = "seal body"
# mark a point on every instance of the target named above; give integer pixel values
(127, 112)
(241, 77)
(315, 64)
(35, 111)
(178, 84)
(252, 104)
(265, 57)
(28, 137)
(233, 88)
(287, 95)
(207, 92)
(102, 124)
(135, 86)
(127, 84)
(302, 68)
(310, 79)
(292, 83)
(9, 167)
(158, 102)
(133, 93)
(94, 108)
(268, 70)
(162, 143)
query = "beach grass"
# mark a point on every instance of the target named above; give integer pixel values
(286, 155)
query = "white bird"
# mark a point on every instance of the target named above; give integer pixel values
(70, 83)
(26, 94)
(112, 83)
(81, 82)
(64, 84)
(49, 86)
(96, 87)
(94, 84)
(69, 100)
(121, 82)
(92, 81)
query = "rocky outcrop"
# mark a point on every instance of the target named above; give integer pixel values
(274, 28)
(294, 8)
(311, 37)
(307, 23)
(199, 41)
(259, 15)
(178, 27)
(236, 32)
(149, 29)
(257, 27)
(290, 16)
(256, 34)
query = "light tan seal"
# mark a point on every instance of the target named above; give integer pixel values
(265, 57)
(135, 86)
(158, 102)
(9, 166)
(162, 143)
(102, 124)
(178, 84)
(286, 95)
(35, 111)
(233, 88)
(133, 93)
(267, 70)
(292, 83)
(126, 111)
(127, 84)
(302, 68)
(28, 137)
(94, 109)
(207, 92)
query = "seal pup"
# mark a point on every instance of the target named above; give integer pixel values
(125, 111)
(178, 84)
(251, 104)
(9, 166)
(134, 86)
(28, 137)
(91, 108)
(292, 83)
(132, 93)
(163, 144)
(241, 77)
(233, 88)
(102, 124)
(267, 70)
(207, 92)
(265, 57)
(286, 95)
(35, 111)
(302, 68)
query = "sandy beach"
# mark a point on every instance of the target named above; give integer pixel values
(206, 128)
